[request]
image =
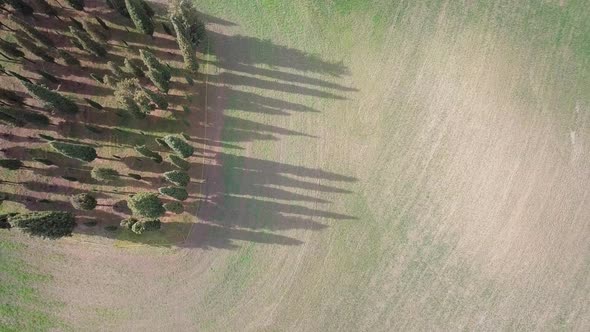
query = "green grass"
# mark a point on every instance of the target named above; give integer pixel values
(22, 307)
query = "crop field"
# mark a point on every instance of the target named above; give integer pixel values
(359, 166)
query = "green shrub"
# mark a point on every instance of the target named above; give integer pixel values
(146, 205)
(49, 224)
(156, 98)
(44, 161)
(178, 193)
(179, 146)
(83, 202)
(104, 174)
(179, 162)
(76, 151)
(145, 226)
(47, 137)
(140, 18)
(11, 164)
(161, 142)
(174, 207)
(50, 99)
(144, 151)
(178, 178)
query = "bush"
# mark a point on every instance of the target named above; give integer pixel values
(104, 174)
(146, 226)
(128, 223)
(11, 164)
(146, 205)
(185, 45)
(161, 142)
(49, 224)
(178, 178)
(174, 207)
(4, 224)
(180, 146)
(178, 193)
(83, 202)
(76, 151)
(179, 162)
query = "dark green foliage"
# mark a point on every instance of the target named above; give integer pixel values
(93, 129)
(144, 102)
(11, 164)
(102, 23)
(146, 205)
(46, 8)
(97, 78)
(179, 162)
(49, 224)
(184, 12)
(186, 137)
(125, 96)
(140, 18)
(178, 193)
(178, 178)
(4, 224)
(110, 81)
(22, 7)
(185, 45)
(93, 104)
(145, 226)
(48, 76)
(189, 80)
(33, 33)
(161, 142)
(134, 68)
(50, 99)
(144, 151)
(44, 161)
(76, 23)
(76, 4)
(68, 58)
(47, 137)
(116, 70)
(104, 174)
(174, 207)
(167, 29)
(128, 223)
(91, 223)
(156, 98)
(95, 32)
(76, 151)
(120, 7)
(178, 145)
(158, 73)
(134, 176)
(87, 43)
(26, 116)
(11, 97)
(83, 202)
(148, 9)
(11, 49)
(33, 48)
(186, 109)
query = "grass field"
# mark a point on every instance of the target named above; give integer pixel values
(375, 166)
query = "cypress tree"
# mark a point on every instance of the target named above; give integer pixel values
(143, 101)
(26, 116)
(88, 43)
(110, 81)
(49, 224)
(76, 151)
(186, 47)
(140, 18)
(83, 201)
(124, 94)
(177, 178)
(144, 151)
(146, 205)
(76, 4)
(11, 49)
(178, 145)
(179, 162)
(147, 8)
(95, 32)
(174, 207)
(158, 73)
(133, 68)
(76, 23)
(22, 7)
(33, 48)
(167, 29)
(19, 76)
(156, 98)
(68, 58)
(187, 16)
(120, 7)
(116, 70)
(30, 30)
(50, 99)
(103, 174)
(178, 193)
